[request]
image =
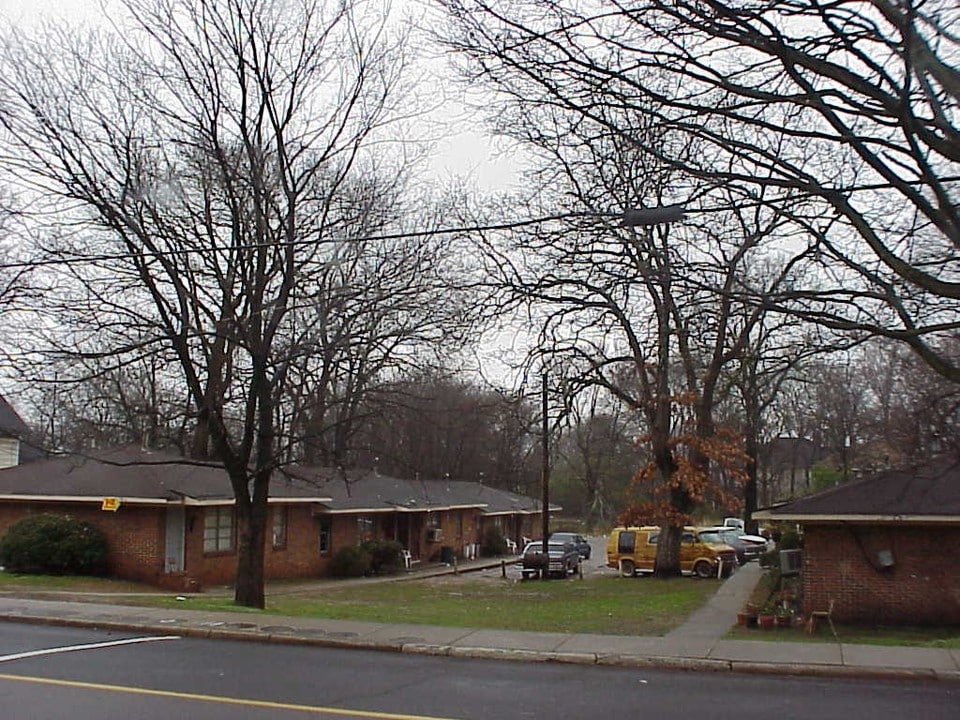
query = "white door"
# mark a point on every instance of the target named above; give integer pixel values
(176, 528)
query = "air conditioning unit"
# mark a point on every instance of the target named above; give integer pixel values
(434, 535)
(791, 562)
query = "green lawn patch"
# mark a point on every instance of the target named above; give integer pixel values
(611, 606)
(15, 582)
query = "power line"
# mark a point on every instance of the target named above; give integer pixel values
(81, 259)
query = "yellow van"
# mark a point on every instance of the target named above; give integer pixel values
(634, 550)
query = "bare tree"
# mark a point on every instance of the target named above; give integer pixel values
(588, 92)
(772, 355)
(198, 152)
(596, 456)
(645, 314)
(852, 105)
(867, 408)
(102, 405)
(432, 424)
(380, 314)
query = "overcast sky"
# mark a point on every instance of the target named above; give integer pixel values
(463, 151)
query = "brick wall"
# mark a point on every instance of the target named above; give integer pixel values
(134, 533)
(300, 558)
(922, 586)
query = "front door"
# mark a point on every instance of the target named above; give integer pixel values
(173, 546)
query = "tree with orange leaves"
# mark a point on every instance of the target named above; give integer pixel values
(698, 466)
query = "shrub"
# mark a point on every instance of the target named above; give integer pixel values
(771, 559)
(386, 556)
(54, 545)
(350, 561)
(790, 540)
(494, 544)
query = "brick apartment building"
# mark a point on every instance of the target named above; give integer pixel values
(884, 549)
(171, 523)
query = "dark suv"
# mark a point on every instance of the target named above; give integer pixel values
(563, 559)
(583, 547)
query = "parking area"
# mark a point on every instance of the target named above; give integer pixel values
(592, 568)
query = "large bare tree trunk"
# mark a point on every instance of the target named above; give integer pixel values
(251, 541)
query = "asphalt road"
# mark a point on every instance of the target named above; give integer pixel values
(200, 679)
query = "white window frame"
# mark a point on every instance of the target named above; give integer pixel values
(219, 530)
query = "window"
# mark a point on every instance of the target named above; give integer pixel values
(279, 526)
(365, 527)
(326, 536)
(218, 530)
(626, 542)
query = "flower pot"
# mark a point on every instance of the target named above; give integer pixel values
(746, 619)
(784, 621)
(767, 622)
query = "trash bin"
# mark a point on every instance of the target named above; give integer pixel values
(446, 555)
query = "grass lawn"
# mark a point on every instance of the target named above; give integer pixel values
(609, 605)
(37, 584)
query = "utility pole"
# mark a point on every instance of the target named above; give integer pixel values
(545, 480)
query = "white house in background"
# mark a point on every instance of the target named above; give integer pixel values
(12, 430)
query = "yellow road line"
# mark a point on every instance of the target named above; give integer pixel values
(217, 699)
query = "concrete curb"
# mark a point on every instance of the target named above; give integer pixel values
(286, 636)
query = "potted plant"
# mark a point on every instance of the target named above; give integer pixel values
(767, 619)
(748, 616)
(784, 617)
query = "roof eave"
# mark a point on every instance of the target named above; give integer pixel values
(98, 499)
(184, 500)
(856, 517)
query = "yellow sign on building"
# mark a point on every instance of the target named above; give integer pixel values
(111, 504)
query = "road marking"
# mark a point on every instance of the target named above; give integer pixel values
(313, 709)
(90, 646)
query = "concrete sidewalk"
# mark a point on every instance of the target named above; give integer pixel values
(698, 644)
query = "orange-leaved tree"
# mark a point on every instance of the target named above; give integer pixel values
(704, 472)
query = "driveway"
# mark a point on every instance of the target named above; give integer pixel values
(592, 568)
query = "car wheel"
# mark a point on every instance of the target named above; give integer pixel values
(627, 568)
(703, 569)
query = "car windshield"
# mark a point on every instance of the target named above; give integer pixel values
(711, 537)
(537, 546)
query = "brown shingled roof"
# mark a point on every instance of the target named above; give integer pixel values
(921, 493)
(153, 476)
(130, 472)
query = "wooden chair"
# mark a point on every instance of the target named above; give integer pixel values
(818, 615)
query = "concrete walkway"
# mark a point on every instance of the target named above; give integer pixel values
(698, 644)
